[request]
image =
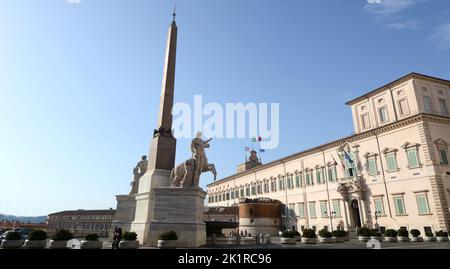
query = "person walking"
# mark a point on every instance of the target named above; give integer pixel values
(117, 237)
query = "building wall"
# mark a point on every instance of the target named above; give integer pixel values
(81, 224)
(401, 134)
(401, 100)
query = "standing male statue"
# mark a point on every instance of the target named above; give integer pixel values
(198, 146)
(187, 174)
(138, 171)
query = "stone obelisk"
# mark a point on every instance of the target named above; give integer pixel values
(162, 149)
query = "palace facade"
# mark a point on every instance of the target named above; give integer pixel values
(82, 222)
(392, 173)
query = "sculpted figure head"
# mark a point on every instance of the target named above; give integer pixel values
(198, 135)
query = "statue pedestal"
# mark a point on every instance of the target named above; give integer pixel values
(126, 207)
(182, 211)
(145, 202)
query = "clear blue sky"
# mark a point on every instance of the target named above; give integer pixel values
(80, 83)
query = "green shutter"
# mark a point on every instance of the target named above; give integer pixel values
(323, 209)
(412, 158)
(399, 207)
(379, 205)
(373, 170)
(312, 210)
(301, 211)
(337, 209)
(422, 204)
(392, 164)
(444, 157)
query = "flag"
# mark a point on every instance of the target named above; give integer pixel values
(262, 150)
(247, 149)
(335, 163)
(347, 157)
(340, 159)
(259, 138)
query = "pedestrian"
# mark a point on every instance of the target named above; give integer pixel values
(117, 237)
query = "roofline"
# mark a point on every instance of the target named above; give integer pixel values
(323, 147)
(391, 84)
(83, 211)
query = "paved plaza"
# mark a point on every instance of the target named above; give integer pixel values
(353, 244)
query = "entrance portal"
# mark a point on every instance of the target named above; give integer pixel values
(356, 215)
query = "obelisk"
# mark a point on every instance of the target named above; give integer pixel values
(163, 145)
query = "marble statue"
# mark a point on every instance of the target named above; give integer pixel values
(187, 174)
(138, 171)
(253, 160)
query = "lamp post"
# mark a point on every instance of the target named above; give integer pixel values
(376, 215)
(332, 216)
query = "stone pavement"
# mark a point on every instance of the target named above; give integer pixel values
(353, 244)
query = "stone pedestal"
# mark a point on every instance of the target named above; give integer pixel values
(126, 208)
(145, 201)
(166, 209)
(179, 210)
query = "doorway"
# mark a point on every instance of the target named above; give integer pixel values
(356, 215)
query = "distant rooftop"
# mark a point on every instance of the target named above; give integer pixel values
(85, 212)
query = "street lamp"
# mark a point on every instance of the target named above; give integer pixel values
(332, 216)
(377, 214)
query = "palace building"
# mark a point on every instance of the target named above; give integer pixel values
(82, 222)
(392, 173)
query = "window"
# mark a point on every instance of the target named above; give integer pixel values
(427, 230)
(247, 190)
(266, 186)
(273, 185)
(291, 210)
(336, 209)
(312, 209)
(298, 181)
(259, 188)
(281, 183)
(422, 204)
(391, 162)
(412, 157)
(332, 173)
(444, 156)
(349, 164)
(383, 114)
(228, 196)
(443, 106)
(319, 176)
(399, 206)
(427, 104)
(301, 210)
(309, 178)
(236, 194)
(232, 194)
(365, 121)
(403, 106)
(372, 166)
(379, 207)
(323, 209)
(253, 189)
(242, 192)
(290, 182)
